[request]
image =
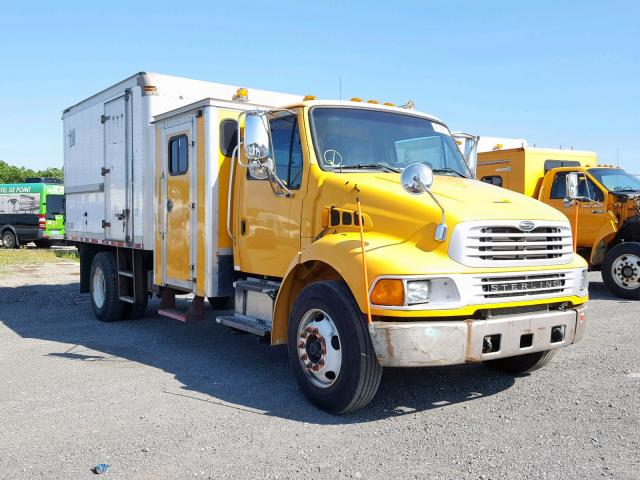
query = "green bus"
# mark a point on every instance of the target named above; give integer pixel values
(31, 212)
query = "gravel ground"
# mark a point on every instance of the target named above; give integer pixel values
(158, 399)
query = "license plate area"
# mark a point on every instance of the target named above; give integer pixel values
(520, 334)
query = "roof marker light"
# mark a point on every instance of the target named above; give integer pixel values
(242, 95)
(373, 101)
(356, 99)
(309, 97)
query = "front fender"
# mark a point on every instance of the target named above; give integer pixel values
(607, 232)
(332, 257)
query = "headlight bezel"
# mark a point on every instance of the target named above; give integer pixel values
(443, 292)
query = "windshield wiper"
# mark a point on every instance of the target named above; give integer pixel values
(448, 170)
(372, 166)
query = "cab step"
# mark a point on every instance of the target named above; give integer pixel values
(173, 313)
(245, 323)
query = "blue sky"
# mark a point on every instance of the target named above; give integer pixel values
(556, 73)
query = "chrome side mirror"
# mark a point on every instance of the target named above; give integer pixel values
(256, 137)
(417, 179)
(571, 189)
(259, 169)
(572, 185)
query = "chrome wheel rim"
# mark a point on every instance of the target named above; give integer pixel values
(7, 240)
(98, 287)
(626, 271)
(319, 348)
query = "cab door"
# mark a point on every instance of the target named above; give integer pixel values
(592, 213)
(267, 226)
(177, 201)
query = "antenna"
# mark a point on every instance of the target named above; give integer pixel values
(340, 88)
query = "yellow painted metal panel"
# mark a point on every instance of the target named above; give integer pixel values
(269, 233)
(224, 240)
(179, 221)
(157, 254)
(200, 205)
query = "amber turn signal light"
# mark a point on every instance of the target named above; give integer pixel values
(388, 292)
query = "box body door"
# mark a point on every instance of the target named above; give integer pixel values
(177, 203)
(117, 137)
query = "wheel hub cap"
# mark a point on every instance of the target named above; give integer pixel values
(626, 271)
(319, 348)
(98, 287)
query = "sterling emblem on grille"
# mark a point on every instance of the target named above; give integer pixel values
(522, 286)
(526, 226)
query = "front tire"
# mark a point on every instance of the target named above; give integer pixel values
(330, 349)
(9, 239)
(621, 270)
(521, 364)
(105, 298)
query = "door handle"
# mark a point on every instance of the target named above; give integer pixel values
(169, 206)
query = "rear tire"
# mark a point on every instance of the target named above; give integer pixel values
(43, 243)
(330, 349)
(9, 239)
(621, 270)
(134, 311)
(220, 303)
(521, 363)
(103, 282)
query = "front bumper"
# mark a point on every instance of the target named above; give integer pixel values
(434, 343)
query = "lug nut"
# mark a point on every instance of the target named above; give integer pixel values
(303, 357)
(301, 345)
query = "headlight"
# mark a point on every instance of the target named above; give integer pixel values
(418, 291)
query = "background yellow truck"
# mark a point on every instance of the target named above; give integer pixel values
(605, 212)
(184, 187)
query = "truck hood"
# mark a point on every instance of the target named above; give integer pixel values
(463, 199)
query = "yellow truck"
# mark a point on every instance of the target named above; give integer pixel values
(351, 231)
(604, 211)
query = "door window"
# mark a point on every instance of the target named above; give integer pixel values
(586, 188)
(228, 136)
(178, 155)
(287, 150)
(55, 204)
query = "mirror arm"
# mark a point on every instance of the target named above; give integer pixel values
(441, 230)
(282, 190)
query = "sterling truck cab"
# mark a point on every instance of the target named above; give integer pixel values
(352, 232)
(604, 212)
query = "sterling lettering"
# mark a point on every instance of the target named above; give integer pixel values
(522, 286)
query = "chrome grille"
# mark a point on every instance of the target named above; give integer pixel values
(510, 243)
(500, 244)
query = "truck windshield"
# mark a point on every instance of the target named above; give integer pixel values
(616, 180)
(359, 138)
(55, 204)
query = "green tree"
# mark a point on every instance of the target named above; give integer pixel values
(13, 174)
